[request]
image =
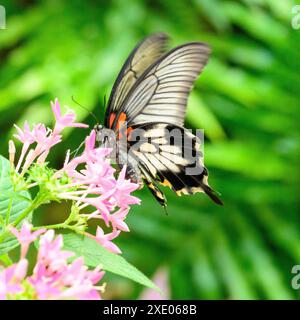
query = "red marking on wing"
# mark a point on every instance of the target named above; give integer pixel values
(111, 119)
(128, 131)
(121, 119)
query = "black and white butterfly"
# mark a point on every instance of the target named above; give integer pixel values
(148, 101)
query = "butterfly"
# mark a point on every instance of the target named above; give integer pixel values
(148, 102)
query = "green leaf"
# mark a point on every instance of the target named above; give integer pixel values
(5, 259)
(12, 204)
(94, 254)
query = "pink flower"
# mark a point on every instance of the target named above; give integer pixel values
(3, 285)
(44, 287)
(105, 240)
(99, 204)
(40, 133)
(11, 277)
(99, 173)
(27, 138)
(25, 236)
(123, 189)
(78, 274)
(160, 278)
(110, 197)
(44, 137)
(25, 135)
(50, 252)
(53, 277)
(117, 219)
(98, 170)
(92, 181)
(63, 121)
(93, 154)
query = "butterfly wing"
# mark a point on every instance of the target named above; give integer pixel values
(161, 93)
(154, 100)
(143, 55)
(170, 155)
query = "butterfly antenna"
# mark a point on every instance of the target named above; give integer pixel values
(90, 112)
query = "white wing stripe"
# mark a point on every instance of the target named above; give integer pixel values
(165, 86)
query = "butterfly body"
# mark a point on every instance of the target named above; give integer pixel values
(145, 117)
(119, 153)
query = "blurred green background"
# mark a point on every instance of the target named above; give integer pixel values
(247, 101)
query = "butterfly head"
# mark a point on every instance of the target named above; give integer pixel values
(99, 133)
(98, 127)
(103, 135)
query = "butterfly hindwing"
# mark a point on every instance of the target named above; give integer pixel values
(171, 156)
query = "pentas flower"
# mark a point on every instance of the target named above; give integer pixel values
(53, 276)
(98, 187)
(161, 279)
(105, 239)
(117, 219)
(25, 236)
(11, 279)
(63, 121)
(25, 135)
(50, 253)
(44, 137)
(96, 190)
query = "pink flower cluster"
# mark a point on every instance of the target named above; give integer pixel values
(53, 276)
(93, 186)
(44, 137)
(99, 188)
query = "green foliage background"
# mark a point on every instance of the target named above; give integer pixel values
(247, 101)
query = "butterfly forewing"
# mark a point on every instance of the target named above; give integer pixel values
(161, 93)
(144, 55)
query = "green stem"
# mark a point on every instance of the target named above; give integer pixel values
(26, 212)
(39, 199)
(63, 225)
(51, 226)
